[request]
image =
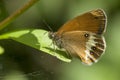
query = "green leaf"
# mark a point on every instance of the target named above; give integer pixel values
(1, 50)
(38, 39)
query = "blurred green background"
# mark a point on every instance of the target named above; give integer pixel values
(20, 62)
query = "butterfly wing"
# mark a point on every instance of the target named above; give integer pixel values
(93, 21)
(86, 45)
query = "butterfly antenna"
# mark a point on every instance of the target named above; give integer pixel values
(51, 31)
(47, 25)
(53, 43)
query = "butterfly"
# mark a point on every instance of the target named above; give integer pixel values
(82, 36)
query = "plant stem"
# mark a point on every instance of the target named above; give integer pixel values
(16, 14)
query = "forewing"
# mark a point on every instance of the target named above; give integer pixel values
(93, 21)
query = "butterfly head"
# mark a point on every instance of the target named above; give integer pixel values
(56, 39)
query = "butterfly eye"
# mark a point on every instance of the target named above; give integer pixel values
(86, 35)
(51, 35)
